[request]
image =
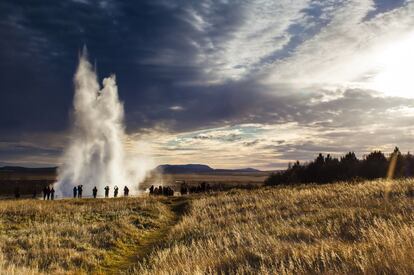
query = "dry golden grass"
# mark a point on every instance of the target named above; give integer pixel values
(341, 228)
(332, 229)
(74, 236)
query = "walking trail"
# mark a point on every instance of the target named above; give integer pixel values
(129, 256)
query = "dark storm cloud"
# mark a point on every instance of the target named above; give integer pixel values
(213, 106)
(146, 43)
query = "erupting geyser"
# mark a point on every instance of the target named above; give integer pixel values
(95, 155)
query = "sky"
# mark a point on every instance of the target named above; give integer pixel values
(230, 84)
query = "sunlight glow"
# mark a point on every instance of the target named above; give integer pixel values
(395, 69)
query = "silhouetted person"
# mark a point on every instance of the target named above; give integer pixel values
(17, 192)
(126, 191)
(94, 192)
(106, 191)
(52, 193)
(151, 190)
(48, 192)
(115, 191)
(44, 192)
(80, 191)
(75, 192)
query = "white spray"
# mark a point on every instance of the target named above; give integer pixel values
(95, 155)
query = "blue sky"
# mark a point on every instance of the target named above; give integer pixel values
(226, 83)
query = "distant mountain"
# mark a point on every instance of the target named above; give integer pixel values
(198, 168)
(243, 170)
(19, 169)
(184, 169)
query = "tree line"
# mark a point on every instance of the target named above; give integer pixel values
(327, 169)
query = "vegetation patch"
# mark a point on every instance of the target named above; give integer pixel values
(337, 229)
(74, 235)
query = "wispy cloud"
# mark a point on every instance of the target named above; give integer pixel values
(346, 51)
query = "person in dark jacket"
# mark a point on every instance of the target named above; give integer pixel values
(94, 192)
(115, 191)
(75, 192)
(126, 191)
(106, 191)
(48, 192)
(44, 192)
(80, 190)
(52, 193)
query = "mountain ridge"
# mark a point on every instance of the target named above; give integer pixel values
(198, 168)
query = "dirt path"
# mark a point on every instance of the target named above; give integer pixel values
(129, 256)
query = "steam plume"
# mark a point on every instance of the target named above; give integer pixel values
(95, 155)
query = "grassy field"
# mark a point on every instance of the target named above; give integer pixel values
(81, 235)
(344, 228)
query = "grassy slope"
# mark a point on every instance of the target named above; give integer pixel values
(339, 228)
(335, 229)
(76, 235)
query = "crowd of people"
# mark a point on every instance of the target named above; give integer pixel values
(77, 191)
(48, 193)
(200, 188)
(161, 190)
(184, 189)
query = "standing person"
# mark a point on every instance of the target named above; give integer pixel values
(48, 192)
(126, 191)
(151, 190)
(44, 193)
(106, 191)
(75, 192)
(115, 191)
(52, 193)
(80, 191)
(94, 192)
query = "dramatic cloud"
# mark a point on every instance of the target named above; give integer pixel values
(227, 83)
